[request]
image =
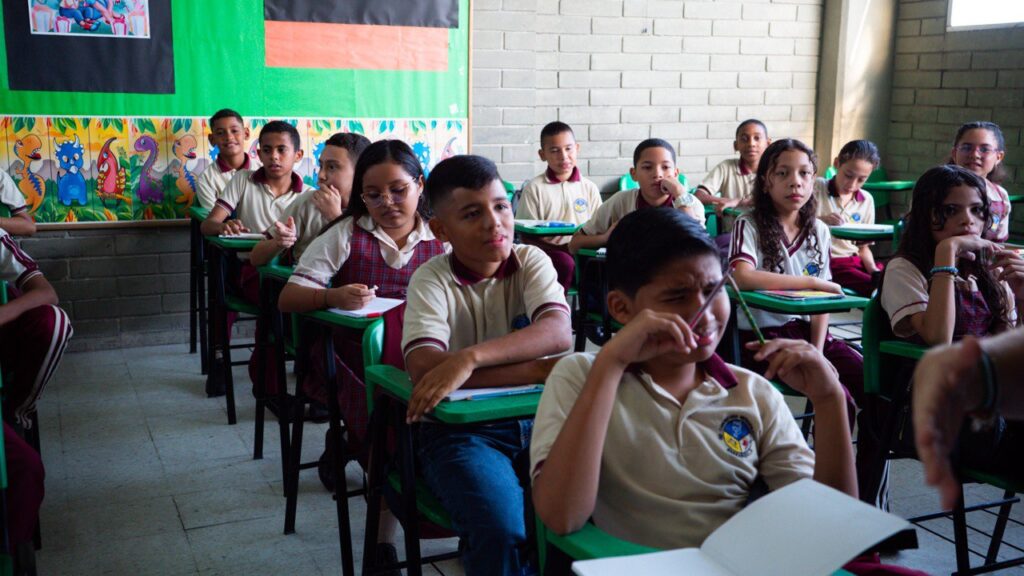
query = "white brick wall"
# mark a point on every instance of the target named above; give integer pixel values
(942, 79)
(619, 71)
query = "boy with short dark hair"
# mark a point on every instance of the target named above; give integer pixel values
(487, 314)
(654, 170)
(560, 194)
(228, 134)
(731, 182)
(657, 438)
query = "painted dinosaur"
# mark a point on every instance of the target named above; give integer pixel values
(111, 176)
(31, 185)
(70, 182)
(149, 189)
(184, 149)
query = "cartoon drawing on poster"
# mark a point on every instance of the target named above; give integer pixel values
(120, 18)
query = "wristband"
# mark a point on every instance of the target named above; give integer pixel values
(952, 270)
(684, 199)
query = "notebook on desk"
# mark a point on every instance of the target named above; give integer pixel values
(376, 307)
(244, 236)
(802, 294)
(545, 224)
(886, 228)
(487, 393)
(824, 529)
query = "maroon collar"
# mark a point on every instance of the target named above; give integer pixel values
(858, 195)
(552, 178)
(715, 367)
(466, 277)
(260, 177)
(641, 202)
(224, 165)
(743, 168)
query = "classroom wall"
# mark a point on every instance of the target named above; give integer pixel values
(942, 79)
(619, 71)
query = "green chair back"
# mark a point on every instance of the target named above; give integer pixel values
(626, 182)
(878, 175)
(829, 172)
(875, 324)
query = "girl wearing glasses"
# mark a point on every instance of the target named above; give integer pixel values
(370, 251)
(979, 147)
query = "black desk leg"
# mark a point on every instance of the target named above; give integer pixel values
(340, 483)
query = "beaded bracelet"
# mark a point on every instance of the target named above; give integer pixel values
(983, 417)
(952, 270)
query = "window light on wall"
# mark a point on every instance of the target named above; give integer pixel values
(985, 13)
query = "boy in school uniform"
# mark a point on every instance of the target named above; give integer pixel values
(655, 437)
(33, 332)
(314, 209)
(560, 194)
(654, 170)
(487, 314)
(258, 198)
(19, 222)
(228, 133)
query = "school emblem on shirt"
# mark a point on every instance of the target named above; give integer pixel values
(812, 269)
(856, 217)
(580, 205)
(738, 435)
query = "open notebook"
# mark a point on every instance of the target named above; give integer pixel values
(805, 528)
(801, 294)
(485, 393)
(245, 236)
(376, 307)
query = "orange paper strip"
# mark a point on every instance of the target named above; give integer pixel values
(355, 46)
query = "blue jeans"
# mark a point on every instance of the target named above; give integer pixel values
(470, 470)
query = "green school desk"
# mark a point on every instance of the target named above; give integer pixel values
(390, 390)
(533, 228)
(883, 232)
(326, 321)
(711, 220)
(220, 249)
(197, 285)
(273, 278)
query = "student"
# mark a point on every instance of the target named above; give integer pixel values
(258, 198)
(654, 170)
(780, 245)
(487, 314)
(980, 148)
(842, 201)
(314, 209)
(19, 222)
(371, 251)
(33, 332)
(561, 194)
(655, 437)
(972, 378)
(730, 183)
(228, 134)
(947, 282)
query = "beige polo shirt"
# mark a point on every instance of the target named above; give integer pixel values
(328, 252)
(730, 180)
(672, 473)
(214, 179)
(249, 196)
(548, 198)
(10, 196)
(16, 267)
(859, 210)
(626, 201)
(309, 221)
(451, 308)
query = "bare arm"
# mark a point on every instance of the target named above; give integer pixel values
(296, 298)
(436, 374)
(264, 252)
(867, 259)
(580, 240)
(217, 223)
(935, 325)
(36, 292)
(20, 225)
(749, 278)
(819, 330)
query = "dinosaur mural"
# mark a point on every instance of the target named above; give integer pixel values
(149, 190)
(31, 185)
(184, 149)
(70, 182)
(111, 176)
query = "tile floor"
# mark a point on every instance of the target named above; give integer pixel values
(144, 476)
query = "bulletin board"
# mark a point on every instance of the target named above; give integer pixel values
(127, 144)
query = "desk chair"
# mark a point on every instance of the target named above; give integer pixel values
(879, 342)
(197, 272)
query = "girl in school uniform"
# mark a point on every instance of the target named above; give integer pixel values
(842, 201)
(781, 245)
(947, 282)
(980, 148)
(371, 251)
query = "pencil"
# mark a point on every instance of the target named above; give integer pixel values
(704, 307)
(746, 310)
